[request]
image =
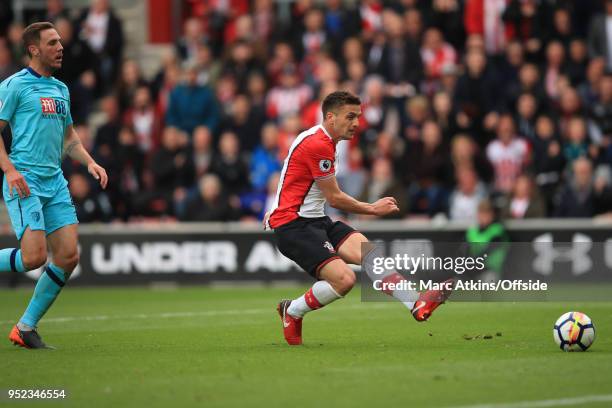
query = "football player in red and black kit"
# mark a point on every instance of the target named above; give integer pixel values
(304, 233)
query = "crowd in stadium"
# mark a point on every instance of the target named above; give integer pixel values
(462, 100)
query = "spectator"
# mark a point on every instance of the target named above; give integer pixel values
(89, 205)
(601, 110)
(245, 122)
(400, 61)
(466, 153)
(426, 166)
(447, 15)
(576, 144)
(436, 53)
(282, 56)
(129, 81)
(417, 109)
(289, 97)
(376, 110)
(289, 129)
(548, 160)
(202, 150)
(599, 38)
(508, 154)
(209, 68)
(230, 165)
(383, 183)
(562, 29)
(191, 105)
(78, 71)
(595, 72)
(53, 11)
(469, 191)
(526, 24)
(527, 110)
(577, 63)
(475, 97)
(240, 64)
(210, 203)
(525, 201)
(130, 186)
(108, 133)
(444, 115)
(264, 161)
(7, 66)
(555, 60)
(272, 186)
(313, 38)
(581, 196)
(528, 82)
(144, 119)
(103, 32)
(509, 67)
(6, 16)
(193, 37)
(171, 166)
(14, 35)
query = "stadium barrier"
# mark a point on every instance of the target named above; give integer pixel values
(235, 252)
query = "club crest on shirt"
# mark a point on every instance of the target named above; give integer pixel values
(325, 165)
(329, 246)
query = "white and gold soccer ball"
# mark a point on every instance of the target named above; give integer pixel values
(574, 331)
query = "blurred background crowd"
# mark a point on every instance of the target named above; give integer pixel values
(462, 100)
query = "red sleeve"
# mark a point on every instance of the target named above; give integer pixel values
(319, 157)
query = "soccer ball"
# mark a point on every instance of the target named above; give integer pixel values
(574, 331)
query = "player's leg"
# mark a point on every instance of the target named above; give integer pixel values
(63, 245)
(61, 229)
(28, 224)
(306, 242)
(350, 248)
(336, 280)
(54, 275)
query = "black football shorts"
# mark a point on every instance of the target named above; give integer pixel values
(312, 242)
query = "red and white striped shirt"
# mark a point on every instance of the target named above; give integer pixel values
(312, 156)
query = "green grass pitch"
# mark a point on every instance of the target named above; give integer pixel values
(223, 347)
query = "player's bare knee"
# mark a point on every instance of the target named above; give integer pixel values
(34, 259)
(345, 282)
(67, 261)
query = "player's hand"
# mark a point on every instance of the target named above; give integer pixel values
(16, 181)
(384, 206)
(98, 173)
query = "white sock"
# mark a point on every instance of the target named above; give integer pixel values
(319, 295)
(406, 297)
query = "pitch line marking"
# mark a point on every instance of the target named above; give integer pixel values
(210, 313)
(546, 403)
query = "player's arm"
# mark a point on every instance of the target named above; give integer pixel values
(75, 149)
(15, 180)
(344, 202)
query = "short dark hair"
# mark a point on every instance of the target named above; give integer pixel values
(31, 34)
(338, 99)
